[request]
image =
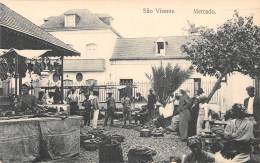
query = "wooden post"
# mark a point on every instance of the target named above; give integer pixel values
(62, 84)
(16, 75)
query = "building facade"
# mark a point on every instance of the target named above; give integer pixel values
(93, 36)
(133, 58)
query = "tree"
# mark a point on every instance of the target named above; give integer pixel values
(167, 80)
(232, 47)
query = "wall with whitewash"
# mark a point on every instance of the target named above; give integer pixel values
(105, 41)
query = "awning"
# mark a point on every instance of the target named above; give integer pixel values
(20, 33)
(28, 53)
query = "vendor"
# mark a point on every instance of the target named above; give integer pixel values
(238, 133)
(197, 154)
(27, 102)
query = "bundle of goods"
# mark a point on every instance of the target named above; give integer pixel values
(158, 132)
(141, 154)
(92, 144)
(145, 133)
(84, 137)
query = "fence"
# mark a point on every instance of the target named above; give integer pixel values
(140, 87)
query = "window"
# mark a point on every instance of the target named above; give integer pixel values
(70, 20)
(161, 46)
(91, 49)
(128, 90)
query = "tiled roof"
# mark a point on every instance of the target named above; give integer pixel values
(84, 65)
(145, 48)
(87, 20)
(11, 20)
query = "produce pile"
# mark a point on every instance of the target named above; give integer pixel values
(167, 146)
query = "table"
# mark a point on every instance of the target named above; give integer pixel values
(27, 139)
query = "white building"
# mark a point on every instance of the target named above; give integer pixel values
(90, 34)
(133, 58)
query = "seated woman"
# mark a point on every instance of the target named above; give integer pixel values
(238, 133)
(197, 155)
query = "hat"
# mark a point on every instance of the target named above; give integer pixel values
(200, 90)
(250, 88)
(193, 140)
(151, 89)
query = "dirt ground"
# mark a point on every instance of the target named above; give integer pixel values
(167, 146)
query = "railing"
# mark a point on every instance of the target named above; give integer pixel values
(143, 88)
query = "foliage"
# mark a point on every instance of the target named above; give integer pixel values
(167, 80)
(233, 46)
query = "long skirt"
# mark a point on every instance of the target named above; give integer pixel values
(95, 118)
(184, 123)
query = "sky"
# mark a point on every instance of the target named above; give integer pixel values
(130, 20)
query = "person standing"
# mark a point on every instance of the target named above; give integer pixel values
(150, 104)
(57, 96)
(185, 115)
(73, 102)
(195, 109)
(126, 102)
(203, 114)
(95, 107)
(111, 107)
(87, 105)
(252, 104)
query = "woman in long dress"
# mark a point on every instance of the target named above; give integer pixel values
(185, 116)
(203, 114)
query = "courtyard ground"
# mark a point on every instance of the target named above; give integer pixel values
(167, 146)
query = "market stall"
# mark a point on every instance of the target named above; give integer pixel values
(41, 134)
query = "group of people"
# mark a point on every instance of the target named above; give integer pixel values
(242, 124)
(90, 104)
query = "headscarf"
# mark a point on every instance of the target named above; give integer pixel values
(193, 140)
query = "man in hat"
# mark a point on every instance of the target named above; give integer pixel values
(111, 107)
(252, 104)
(150, 104)
(127, 103)
(197, 154)
(28, 103)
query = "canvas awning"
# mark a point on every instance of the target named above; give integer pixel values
(20, 33)
(28, 53)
